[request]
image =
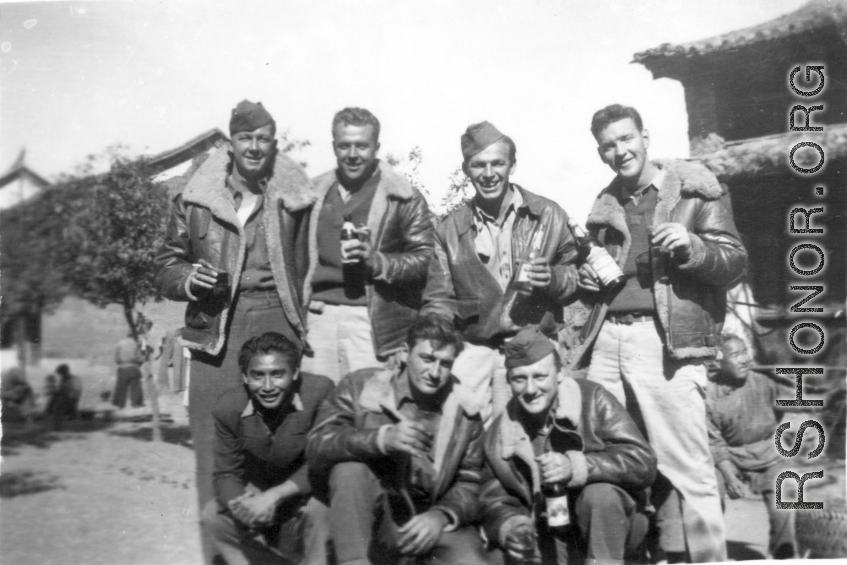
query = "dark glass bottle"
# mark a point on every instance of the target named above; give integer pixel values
(556, 499)
(348, 232)
(592, 252)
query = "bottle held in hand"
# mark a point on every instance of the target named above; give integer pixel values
(592, 252)
(348, 232)
(533, 250)
(556, 499)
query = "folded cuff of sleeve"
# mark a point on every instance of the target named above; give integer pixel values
(380, 438)
(510, 524)
(579, 469)
(452, 517)
(377, 266)
(698, 254)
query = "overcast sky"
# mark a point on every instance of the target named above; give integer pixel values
(76, 77)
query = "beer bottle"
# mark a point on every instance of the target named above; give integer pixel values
(556, 500)
(532, 251)
(348, 232)
(592, 252)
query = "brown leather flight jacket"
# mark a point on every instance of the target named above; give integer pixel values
(690, 297)
(348, 425)
(461, 288)
(591, 428)
(204, 225)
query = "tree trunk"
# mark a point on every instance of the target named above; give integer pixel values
(147, 372)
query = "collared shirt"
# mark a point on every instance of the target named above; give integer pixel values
(248, 451)
(421, 471)
(636, 295)
(257, 274)
(493, 241)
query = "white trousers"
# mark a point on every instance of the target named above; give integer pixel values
(340, 336)
(670, 395)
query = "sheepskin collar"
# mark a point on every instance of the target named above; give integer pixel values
(289, 184)
(682, 179)
(394, 183)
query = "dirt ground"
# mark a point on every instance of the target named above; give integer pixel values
(101, 492)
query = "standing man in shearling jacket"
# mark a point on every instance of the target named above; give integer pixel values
(361, 302)
(235, 250)
(677, 245)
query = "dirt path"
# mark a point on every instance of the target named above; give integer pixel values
(98, 494)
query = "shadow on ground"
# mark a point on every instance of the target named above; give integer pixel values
(177, 435)
(742, 551)
(42, 434)
(26, 482)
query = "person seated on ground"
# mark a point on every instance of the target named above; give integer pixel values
(557, 430)
(263, 511)
(740, 405)
(65, 400)
(398, 455)
(17, 396)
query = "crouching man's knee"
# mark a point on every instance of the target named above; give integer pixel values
(351, 476)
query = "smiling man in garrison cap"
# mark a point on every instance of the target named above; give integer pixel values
(478, 250)
(557, 429)
(235, 250)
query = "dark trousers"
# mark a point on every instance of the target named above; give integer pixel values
(251, 315)
(363, 532)
(299, 537)
(781, 540)
(129, 381)
(610, 527)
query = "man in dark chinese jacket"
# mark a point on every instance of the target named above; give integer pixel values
(262, 511)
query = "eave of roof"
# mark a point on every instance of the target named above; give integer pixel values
(188, 150)
(769, 155)
(814, 16)
(14, 174)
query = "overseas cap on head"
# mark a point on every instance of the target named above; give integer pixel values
(479, 136)
(249, 116)
(528, 347)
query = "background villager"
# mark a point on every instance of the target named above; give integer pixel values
(128, 358)
(235, 250)
(740, 404)
(665, 224)
(263, 511)
(64, 402)
(478, 263)
(17, 396)
(557, 429)
(397, 453)
(364, 292)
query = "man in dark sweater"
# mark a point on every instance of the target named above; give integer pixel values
(361, 302)
(262, 508)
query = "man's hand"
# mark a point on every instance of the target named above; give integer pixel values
(588, 279)
(359, 249)
(408, 437)
(538, 273)
(734, 486)
(255, 509)
(420, 534)
(203, 276)
(520, 541)
(675, 238)
(555, 467)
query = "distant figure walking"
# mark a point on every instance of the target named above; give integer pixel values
(129, 362)
(64, 402)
